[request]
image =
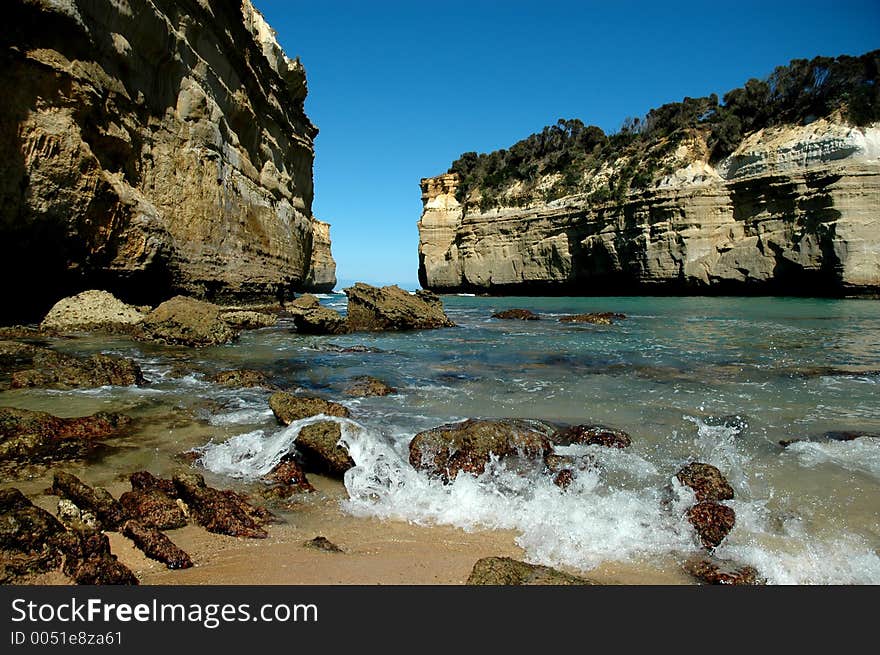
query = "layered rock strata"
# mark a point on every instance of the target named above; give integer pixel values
(152, 148)
(795, 210)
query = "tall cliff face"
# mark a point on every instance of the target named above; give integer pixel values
(153, 147)
(794, 209)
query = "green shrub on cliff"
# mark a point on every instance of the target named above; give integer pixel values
(798, 93)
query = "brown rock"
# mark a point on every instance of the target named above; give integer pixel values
(517, 314)
(468, 446)
(156, 545)
(222, 512)
(33, 436)
(322, 543)
(506, 571)
(713, 571)
(712, 521)
(706, 480)
(319, 445)
(146, 481)
(90, 562)
(242, 378)
(153, 508)
(91, 310)
(97, 500)
(368, 386)
(188, 322)
(57, 370)
(311, 317)
(600, 318)
(248, 320)
(289, 408)
(590, 435)
(391, 308)
(289, 478)
(31, 539)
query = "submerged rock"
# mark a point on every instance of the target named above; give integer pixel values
(289, 408)
(52, 369)
(91, 310)
(391, 308)
(507, 571)
(712, 522)
(366, 386)
(592, 435)
(836, 435)
(156, 545)
(98, 500)
(28, 436)
(706, 480)
(711, 570)
(241, 378)
(468, 446)
(248, 320)
(600, 318)
(223, 512)
(322, 543)
(322, 452)
(517, 314)
(188, 322)
(311, 317)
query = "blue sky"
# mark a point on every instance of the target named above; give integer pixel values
(401, 89)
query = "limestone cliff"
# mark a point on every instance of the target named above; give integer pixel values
(322, 268)
(153, 147)
(793, 209)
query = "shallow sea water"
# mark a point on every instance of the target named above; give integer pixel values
(719, 380)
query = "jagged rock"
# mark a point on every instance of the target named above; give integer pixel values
(507, 571)
(187, 322)
(320, 448)
(289, 479)
(52, 369)
(241, 378)
(391, 308)
(98, 500)
(368, 386)
(712, 522)
(91, 310)
(31, 539)
(322, 268)
(322, 543)
(248, 320)
(191, 173)
(590, 435)
(89, 562)
(602, 318)
(154, 508)
(517, 314)
(156, 545)
(707, 227)
(223, 512)
(146, 481)
(706, 480)
(30, 436)
(468, 446)
(713, 571)
(311, 317)
(289, 408)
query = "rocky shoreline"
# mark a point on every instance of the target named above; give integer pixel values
(75, 541)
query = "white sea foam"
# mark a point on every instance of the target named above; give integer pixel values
(861, 454)
(240, 417)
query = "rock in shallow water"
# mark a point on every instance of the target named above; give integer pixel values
(321, 450)
(592, 435)
(91, 310)
(48, 368)
(468, 446)
(507, 571)
(706, 480)
(241, 378)
(367, 386)
(311, 317)
(289, 408)
(248, 320)
(31, 436)
(712, 522)
(188, 322)
(322, 543)
(517, 314)
(391, 308)
(601, 318)
(711, 570)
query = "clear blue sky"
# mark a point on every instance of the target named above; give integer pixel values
(401, 89)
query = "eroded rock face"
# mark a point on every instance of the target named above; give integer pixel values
(468, 446)
(792, 210)
(391, 308)
(154, 148)
(507, 571)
